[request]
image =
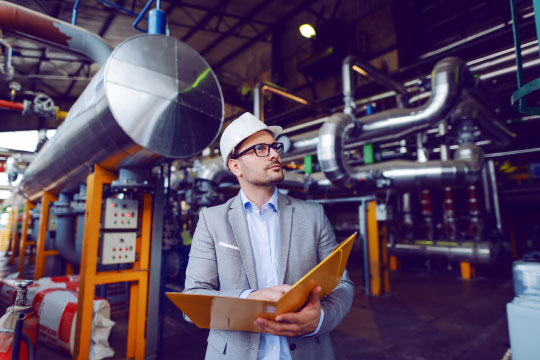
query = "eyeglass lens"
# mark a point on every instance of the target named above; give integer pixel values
(263, 150)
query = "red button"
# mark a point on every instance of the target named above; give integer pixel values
(113, 249)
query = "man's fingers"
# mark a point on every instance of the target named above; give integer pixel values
(315, 295)
(277, 328)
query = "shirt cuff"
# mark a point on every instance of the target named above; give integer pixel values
(318, 326)
(246, 293)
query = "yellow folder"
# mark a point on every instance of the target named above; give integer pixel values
(231, 313)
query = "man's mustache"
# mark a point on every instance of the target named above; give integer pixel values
(276, 162)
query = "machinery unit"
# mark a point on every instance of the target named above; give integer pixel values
(118, 243)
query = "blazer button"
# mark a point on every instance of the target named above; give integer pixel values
(292, 347)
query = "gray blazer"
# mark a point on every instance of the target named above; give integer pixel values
(305, 239)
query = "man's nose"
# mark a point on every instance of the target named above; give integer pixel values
(273, 154)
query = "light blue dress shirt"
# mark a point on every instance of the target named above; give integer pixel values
(263, 229)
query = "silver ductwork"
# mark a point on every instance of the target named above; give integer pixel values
(446, 83)
(354, 63)
(477, 252)
(465, 168)
(155, 97)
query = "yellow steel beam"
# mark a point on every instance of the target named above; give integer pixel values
(83, 326)
(9, 230)
(24, 234)
(14, 236)
(109, 277)
(41, 253)
(467, 270)
(378, 256)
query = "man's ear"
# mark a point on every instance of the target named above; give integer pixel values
(234, 166)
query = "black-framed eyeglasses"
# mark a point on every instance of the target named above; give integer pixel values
(261, 150)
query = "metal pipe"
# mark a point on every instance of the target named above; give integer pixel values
(11, 105)
(471, 108)
(392, 174)
(65, 229)
(363, 67)
(6, 69)
(396, 123)
(495, 194)
(43, 27)
(477, 252)
(446, 82)
(258, 98)
(155, 97)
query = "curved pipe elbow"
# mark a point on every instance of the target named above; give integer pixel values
(330, 150)
(446, 82)
(464, 169)
(43, 27)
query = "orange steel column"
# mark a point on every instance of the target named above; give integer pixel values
(384, 258)
(14, 236)
(467, 270)
(374, 248)
(94, 192)
(137, 276)
(24, 234)
(41, 253)
(139, 289)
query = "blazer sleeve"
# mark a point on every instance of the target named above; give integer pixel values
(202, 271)
(337, 304)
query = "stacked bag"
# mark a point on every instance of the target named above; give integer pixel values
(54, 301)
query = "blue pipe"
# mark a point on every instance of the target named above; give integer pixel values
(141, 15)
(157, 22)
(74, 15)
(121, 8)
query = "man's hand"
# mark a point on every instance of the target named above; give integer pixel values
(272, 293)
(295, 324)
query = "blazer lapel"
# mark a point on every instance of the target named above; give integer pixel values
(285, 227)
(238, 221)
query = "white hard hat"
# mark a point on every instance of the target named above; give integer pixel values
(241, 128)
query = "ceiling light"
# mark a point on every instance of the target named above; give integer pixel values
(307, 31)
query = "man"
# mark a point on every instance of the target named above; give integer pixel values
(259, 243)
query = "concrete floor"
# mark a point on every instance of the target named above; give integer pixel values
(431, 316)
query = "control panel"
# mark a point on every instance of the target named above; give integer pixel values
(120, 214)
(118, 247)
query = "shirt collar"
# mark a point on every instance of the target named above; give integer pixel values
(273, 202)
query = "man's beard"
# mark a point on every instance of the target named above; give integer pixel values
(279, 175)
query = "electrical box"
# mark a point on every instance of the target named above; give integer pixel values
(118, 247)
(120, 214)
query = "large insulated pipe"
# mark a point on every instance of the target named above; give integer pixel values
(43, 27)
(446, 83)
(478, 252)
(399, 174)
(352, 63)
(155, 97)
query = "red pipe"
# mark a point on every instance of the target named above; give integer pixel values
(32, 23)
(11, 105)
